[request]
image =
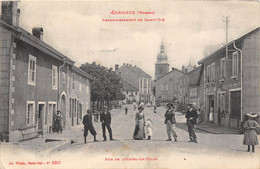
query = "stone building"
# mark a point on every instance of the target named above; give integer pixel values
(167, 87)
(136, 78)
(231, 80)
(35, 81)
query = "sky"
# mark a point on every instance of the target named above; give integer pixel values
(76, 29)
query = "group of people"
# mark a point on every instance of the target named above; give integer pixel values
(105, 119)
(143, 127)
(170, 121)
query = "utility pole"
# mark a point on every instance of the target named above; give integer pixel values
(226, 19)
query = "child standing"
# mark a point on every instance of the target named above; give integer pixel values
(250, 136)
(149, 129)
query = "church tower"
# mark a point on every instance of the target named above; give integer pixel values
(162, 66)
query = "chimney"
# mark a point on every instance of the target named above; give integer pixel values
(116, 67)
(10, 14)
(173, 68)
(186, 71)
(37, 32)
(183, 69)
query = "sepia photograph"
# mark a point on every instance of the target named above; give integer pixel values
(129, 84)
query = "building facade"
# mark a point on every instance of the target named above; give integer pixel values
(231, 80)
(35, 81)
(136, 78)
(131, 93)
(167, 86)
(194, 86)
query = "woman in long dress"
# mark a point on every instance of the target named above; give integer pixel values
(58, 125)
(250, 136)
(139, 132)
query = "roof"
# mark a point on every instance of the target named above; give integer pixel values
(194, 76)
(173, 69)
(138, 71)
(223, 47)
(128, 87)
(82, 72)
(27, 37)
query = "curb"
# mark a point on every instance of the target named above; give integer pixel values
(207, 131)
(57, 147)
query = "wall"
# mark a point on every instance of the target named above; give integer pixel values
(171, 79)
(41, 92)
(251, 80)
(5, 44)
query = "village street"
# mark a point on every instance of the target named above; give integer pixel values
(211, 151)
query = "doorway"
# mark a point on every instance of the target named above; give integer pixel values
(211, 108)
(41, 113)
(63, 109)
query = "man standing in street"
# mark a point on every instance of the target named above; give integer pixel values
(126, 109)
(88, 125)
(191, 116)
(170, 122)
(105, 119)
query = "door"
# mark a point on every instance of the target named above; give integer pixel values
(211, 108)
(235, 104)
(41, 113)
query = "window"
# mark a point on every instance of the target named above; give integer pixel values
(80, 87)
(87, 89)
(149, 86)
(164, 97)
(51, 111)
(32, 70)
(63, 79)
(223, 68)
(73, 81)
(208, 74)
(54, 77)
(234, 63)
(212, 71)
(30, 112)
(164, 87)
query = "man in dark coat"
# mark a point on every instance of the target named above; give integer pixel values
(88, 125)
(170, 122)
(105, 119)
(191, 116)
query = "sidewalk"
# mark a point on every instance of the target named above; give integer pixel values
(216, 129)
(60, 141)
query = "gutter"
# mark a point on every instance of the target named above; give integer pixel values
(241, 79)
(59, 81)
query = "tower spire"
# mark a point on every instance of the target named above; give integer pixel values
(162, 48)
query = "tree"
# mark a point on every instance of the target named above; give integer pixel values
(106, 85)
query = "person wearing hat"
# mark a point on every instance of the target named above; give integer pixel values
(88, 126)
(250, 135)
(191, 116)
(105, 119)
(170, 122)
(139, 124)
(57, 122)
